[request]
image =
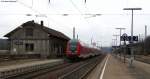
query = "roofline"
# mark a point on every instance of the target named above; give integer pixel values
(24, 24)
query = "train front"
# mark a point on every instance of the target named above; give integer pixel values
(73, 49)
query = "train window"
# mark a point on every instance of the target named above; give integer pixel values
(73, 46)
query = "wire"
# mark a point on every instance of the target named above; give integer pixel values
(30, 7)
(75, 6)
(94, 14)
(41, 15)
(8, 1)
(78, 10)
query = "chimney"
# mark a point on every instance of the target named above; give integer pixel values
(32, 21)
(73, 32)
(42, 23)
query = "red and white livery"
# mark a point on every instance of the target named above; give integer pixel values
(78, 49)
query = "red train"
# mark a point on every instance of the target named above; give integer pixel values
(77, 49)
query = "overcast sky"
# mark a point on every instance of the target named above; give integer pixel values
(100, 28)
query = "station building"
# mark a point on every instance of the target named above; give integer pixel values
(34, 38)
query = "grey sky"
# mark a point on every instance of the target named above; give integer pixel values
(100, 28)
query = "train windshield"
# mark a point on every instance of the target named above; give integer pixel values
(73, 45)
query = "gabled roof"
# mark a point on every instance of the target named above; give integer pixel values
(50, 31)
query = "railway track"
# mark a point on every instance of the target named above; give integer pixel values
(31, 75)
(59, 72)
(14, 71)
(83, 70)
(76, 70)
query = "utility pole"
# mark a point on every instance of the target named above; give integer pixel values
(145, 38)
(120, 33)
(77, 37)
(113, 42)
(120, 39)
(73, 32)
(92, 41)
(132, 54)
(145, 31)
(116, 43)
(99, 43)
(116, 38)
(139, 37)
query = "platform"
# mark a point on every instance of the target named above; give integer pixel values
(15, 62)
(114, 68)
(17, 69)
(14, 66)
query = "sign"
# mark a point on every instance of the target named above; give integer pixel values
(135, 38)
(124, 37)
(128, 38)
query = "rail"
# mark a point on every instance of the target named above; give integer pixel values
(81, 71)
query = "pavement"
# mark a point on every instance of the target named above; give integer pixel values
(114, 68)
(15, 62)
(30, 64)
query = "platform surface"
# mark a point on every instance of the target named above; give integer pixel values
(14, 66)
(113, 67)
(117, 69)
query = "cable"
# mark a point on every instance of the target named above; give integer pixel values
(40, 14)
(78, 10)
(8, 1)
(30, 7)
(75, 6)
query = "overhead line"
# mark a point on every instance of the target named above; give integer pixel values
(78, 10)
(30, 7)
(68, 14)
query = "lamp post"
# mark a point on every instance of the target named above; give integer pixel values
(132, 54)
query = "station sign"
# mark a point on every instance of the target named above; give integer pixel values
(124, 37)
(135, 38)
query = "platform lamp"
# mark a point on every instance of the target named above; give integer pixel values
(132, 54)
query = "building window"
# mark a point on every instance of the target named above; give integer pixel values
(29, 32)
(29, 47)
